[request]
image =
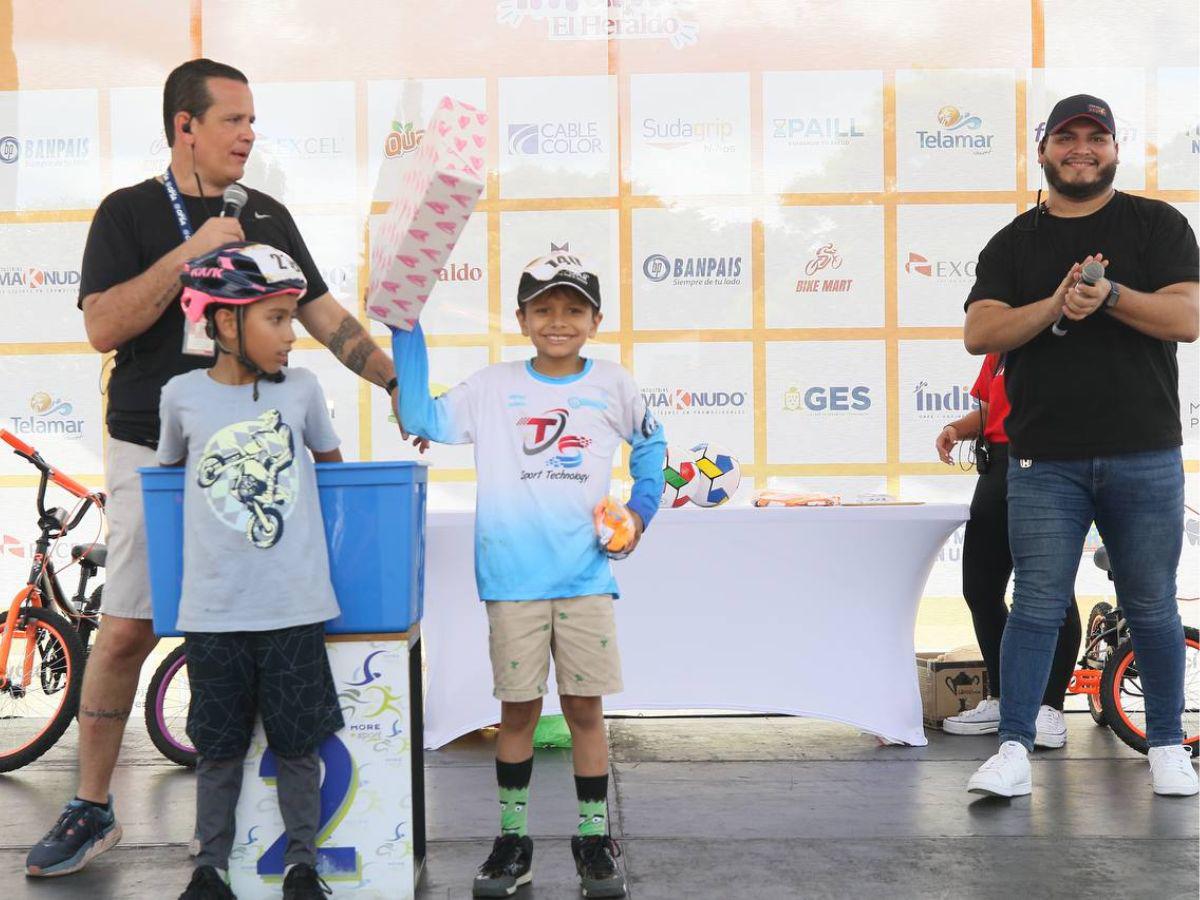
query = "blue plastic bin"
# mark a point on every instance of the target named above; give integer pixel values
(374, 516)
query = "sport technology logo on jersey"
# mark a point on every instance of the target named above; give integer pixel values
(693, 271)
(402, 140)
(603, 20)
(962, 270)
(546, 431)
(35, 278)
(39, 153)
(682, 401)
(811, 132)
(959, 131)
(826, 258)
(555, 138)
(841, 398)
(712, 136)
(50, 416)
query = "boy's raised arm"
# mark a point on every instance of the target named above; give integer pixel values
(448, 419)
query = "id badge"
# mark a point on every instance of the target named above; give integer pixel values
(196, 341)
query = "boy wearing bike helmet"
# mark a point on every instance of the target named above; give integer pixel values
(256, 588)
(545, 431)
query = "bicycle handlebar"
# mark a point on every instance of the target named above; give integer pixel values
(16, 443)
(63, 480)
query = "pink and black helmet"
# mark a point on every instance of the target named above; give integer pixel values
(238, 274)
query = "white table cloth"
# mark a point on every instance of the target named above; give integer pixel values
(802, 611)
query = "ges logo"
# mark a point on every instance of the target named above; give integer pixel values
(832, 398)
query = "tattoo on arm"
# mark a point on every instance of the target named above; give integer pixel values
(352, 345)
(89, 713)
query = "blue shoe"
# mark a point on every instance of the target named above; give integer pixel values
(81, 834)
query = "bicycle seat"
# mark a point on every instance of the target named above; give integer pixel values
(94, 553)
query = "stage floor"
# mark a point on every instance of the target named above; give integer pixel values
(753, 807)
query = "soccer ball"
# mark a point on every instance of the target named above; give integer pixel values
(679, 478)
(717, 475)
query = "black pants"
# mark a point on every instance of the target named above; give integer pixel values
(987, 565)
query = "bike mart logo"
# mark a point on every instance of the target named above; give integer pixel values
(693, 271)
(833, 398)
(957, 130)
(603, 20)
(547, 431)
(828, 260)
(36, 278)
(555, 138)
(48, 416)
(403, 139)
(688, 402)
(45, 152)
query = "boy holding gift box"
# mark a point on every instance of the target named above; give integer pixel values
(545, 432)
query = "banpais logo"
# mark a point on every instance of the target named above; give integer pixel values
(47, 152)
(693, 271)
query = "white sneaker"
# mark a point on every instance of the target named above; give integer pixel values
(1051, 728)
(1004, 775)
(1171, 771)
(983, 719)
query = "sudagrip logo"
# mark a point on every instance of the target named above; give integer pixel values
(958, 131)
(604, 20)
(961, 270)
(834, 398)
(10, 149)
(816, 132)
(684, 401)
(402, 140)
(711, 135)
(826, 258)
(928, 401)
(554, 138)
(35, 278)
(692, 271)
(49, 416)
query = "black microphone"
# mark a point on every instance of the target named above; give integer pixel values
(234, 198)
(1091, 273)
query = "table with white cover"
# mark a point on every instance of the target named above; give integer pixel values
(806, 611)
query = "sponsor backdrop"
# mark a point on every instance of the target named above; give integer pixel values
(784, 201)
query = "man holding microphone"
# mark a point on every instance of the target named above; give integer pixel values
(1088, 294)
(129, 294)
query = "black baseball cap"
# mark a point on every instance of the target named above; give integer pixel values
(558, 269)
(1081, 106)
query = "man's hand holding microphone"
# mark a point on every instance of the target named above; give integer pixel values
(1082, 292)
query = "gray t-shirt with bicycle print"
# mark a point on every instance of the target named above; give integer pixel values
(254, 555)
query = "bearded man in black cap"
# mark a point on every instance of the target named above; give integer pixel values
(1087, 295)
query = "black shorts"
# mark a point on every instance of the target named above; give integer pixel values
(284, 675)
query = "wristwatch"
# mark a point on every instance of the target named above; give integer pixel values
(390, 386)
(1114, 294)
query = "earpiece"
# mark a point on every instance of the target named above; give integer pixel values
(187, 127)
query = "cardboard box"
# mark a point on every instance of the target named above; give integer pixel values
(949, 687)
(423, 223)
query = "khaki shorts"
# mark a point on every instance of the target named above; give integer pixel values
(127, 574)
(580, 632)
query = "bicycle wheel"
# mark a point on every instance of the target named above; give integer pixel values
(1098, 655)
(41, 697)
(1124, 703)
(167, 700)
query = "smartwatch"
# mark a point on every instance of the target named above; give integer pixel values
(1114, 294)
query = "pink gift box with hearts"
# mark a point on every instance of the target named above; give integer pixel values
(437, 195)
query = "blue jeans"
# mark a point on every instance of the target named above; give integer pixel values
(1136, 501)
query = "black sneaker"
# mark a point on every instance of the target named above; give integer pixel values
(509, 866)
(303, 883)
(206, 884)
(595, 861)
(81, 833)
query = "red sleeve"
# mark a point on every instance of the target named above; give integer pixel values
(982, 388)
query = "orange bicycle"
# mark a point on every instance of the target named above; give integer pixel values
(42, 652)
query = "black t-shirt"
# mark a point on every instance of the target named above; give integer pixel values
(1104, 388)
(133, 229)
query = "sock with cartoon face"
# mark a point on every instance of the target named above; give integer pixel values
(592, 792)
(514, 779)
